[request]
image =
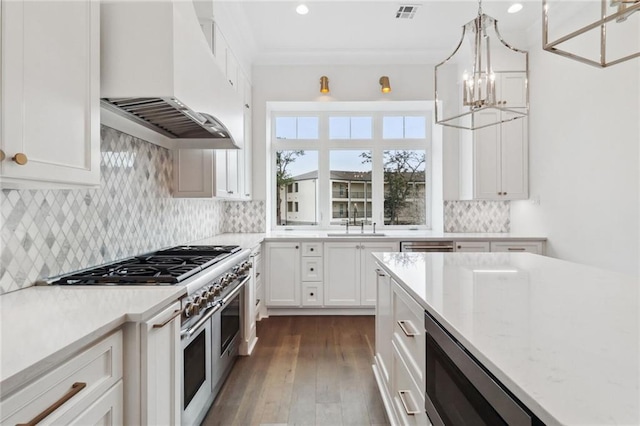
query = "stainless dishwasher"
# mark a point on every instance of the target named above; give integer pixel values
(427, 246)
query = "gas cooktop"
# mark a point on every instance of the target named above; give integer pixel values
(164, 267)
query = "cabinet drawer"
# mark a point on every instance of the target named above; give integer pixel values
(72, 386)
(408, 398)
(312, 249)
(311, 269)
(408, 331)
(472, 246)
(534, 247)
(312, 294)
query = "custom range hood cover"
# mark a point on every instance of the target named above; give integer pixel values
(158, 71)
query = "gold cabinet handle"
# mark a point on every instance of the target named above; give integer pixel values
(75, 388)
(407, 332)
(20, 159)
(2, 155)
(401, 394)
(175, 314)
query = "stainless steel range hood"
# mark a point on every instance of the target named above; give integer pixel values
(173, 119)
(158, 71)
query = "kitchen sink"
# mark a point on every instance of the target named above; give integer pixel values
(355, 234)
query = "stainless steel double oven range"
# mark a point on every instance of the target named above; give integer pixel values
(215, 277)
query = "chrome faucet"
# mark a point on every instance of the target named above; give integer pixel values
(347, 223)
(374, 227)
(362, 227)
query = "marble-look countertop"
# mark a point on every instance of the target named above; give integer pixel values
(42, 326)
(564, 338)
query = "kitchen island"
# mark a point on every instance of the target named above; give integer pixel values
(563, 338)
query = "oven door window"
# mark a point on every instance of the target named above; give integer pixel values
(456, 400)
(195, 366)
(229, 323)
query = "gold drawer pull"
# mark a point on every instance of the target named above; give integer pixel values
(20, 159)
(2, 155)
(401, 394)
(175, 314)
(402, 325)
(75, 388)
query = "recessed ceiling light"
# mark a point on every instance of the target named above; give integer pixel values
(515, 8)
(302, 9)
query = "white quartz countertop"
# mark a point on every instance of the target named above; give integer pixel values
(250, 240)
(42, 326)
(563, 337)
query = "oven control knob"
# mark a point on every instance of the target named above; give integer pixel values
(201, 302)
(191, 310)
(217, 290)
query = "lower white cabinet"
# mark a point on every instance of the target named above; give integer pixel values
(384, 325)
(160, 368)
(85, 389)
(400, 352)
(349, 275)
(282, 287)
(249, 333)
(472, 246)
(535, 247)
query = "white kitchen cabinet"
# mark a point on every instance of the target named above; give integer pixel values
(384, 327)
(472, 246)
(511, 89)
(50, 94)
(258, 275)
(206, 173)
(349, 276)
(312, 266)
(535, 247)
(247, 175)
(84, 388)
(160, 368)
(494, 161)
(282, 286)
(249, 334)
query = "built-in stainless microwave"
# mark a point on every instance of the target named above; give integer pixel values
(460, 391)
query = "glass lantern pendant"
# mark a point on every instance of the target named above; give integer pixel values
(491, 79)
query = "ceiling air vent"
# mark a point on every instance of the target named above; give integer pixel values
(406, 11)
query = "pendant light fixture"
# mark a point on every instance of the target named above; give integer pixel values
(598, 33)
(484, 81)
(385, 85)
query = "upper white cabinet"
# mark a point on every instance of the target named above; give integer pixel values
(50, 94)
(494, 161)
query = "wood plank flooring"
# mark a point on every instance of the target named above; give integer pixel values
(305, 370)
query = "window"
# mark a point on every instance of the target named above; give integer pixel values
(297, 128)
(335, 166)
(404, 127)
(350, 127)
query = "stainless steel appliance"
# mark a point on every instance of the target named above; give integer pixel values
(214, 277)
(427, 246)
(460, 391)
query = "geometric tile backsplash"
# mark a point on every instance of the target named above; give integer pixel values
(476, 216)
(49, 232)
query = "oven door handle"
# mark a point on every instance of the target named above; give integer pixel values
(235, 291)
(191, 330)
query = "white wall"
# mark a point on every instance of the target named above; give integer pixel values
(584, 161)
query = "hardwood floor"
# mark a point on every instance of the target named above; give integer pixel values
(305, 370)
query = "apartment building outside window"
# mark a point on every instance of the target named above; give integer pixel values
(356, 166)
